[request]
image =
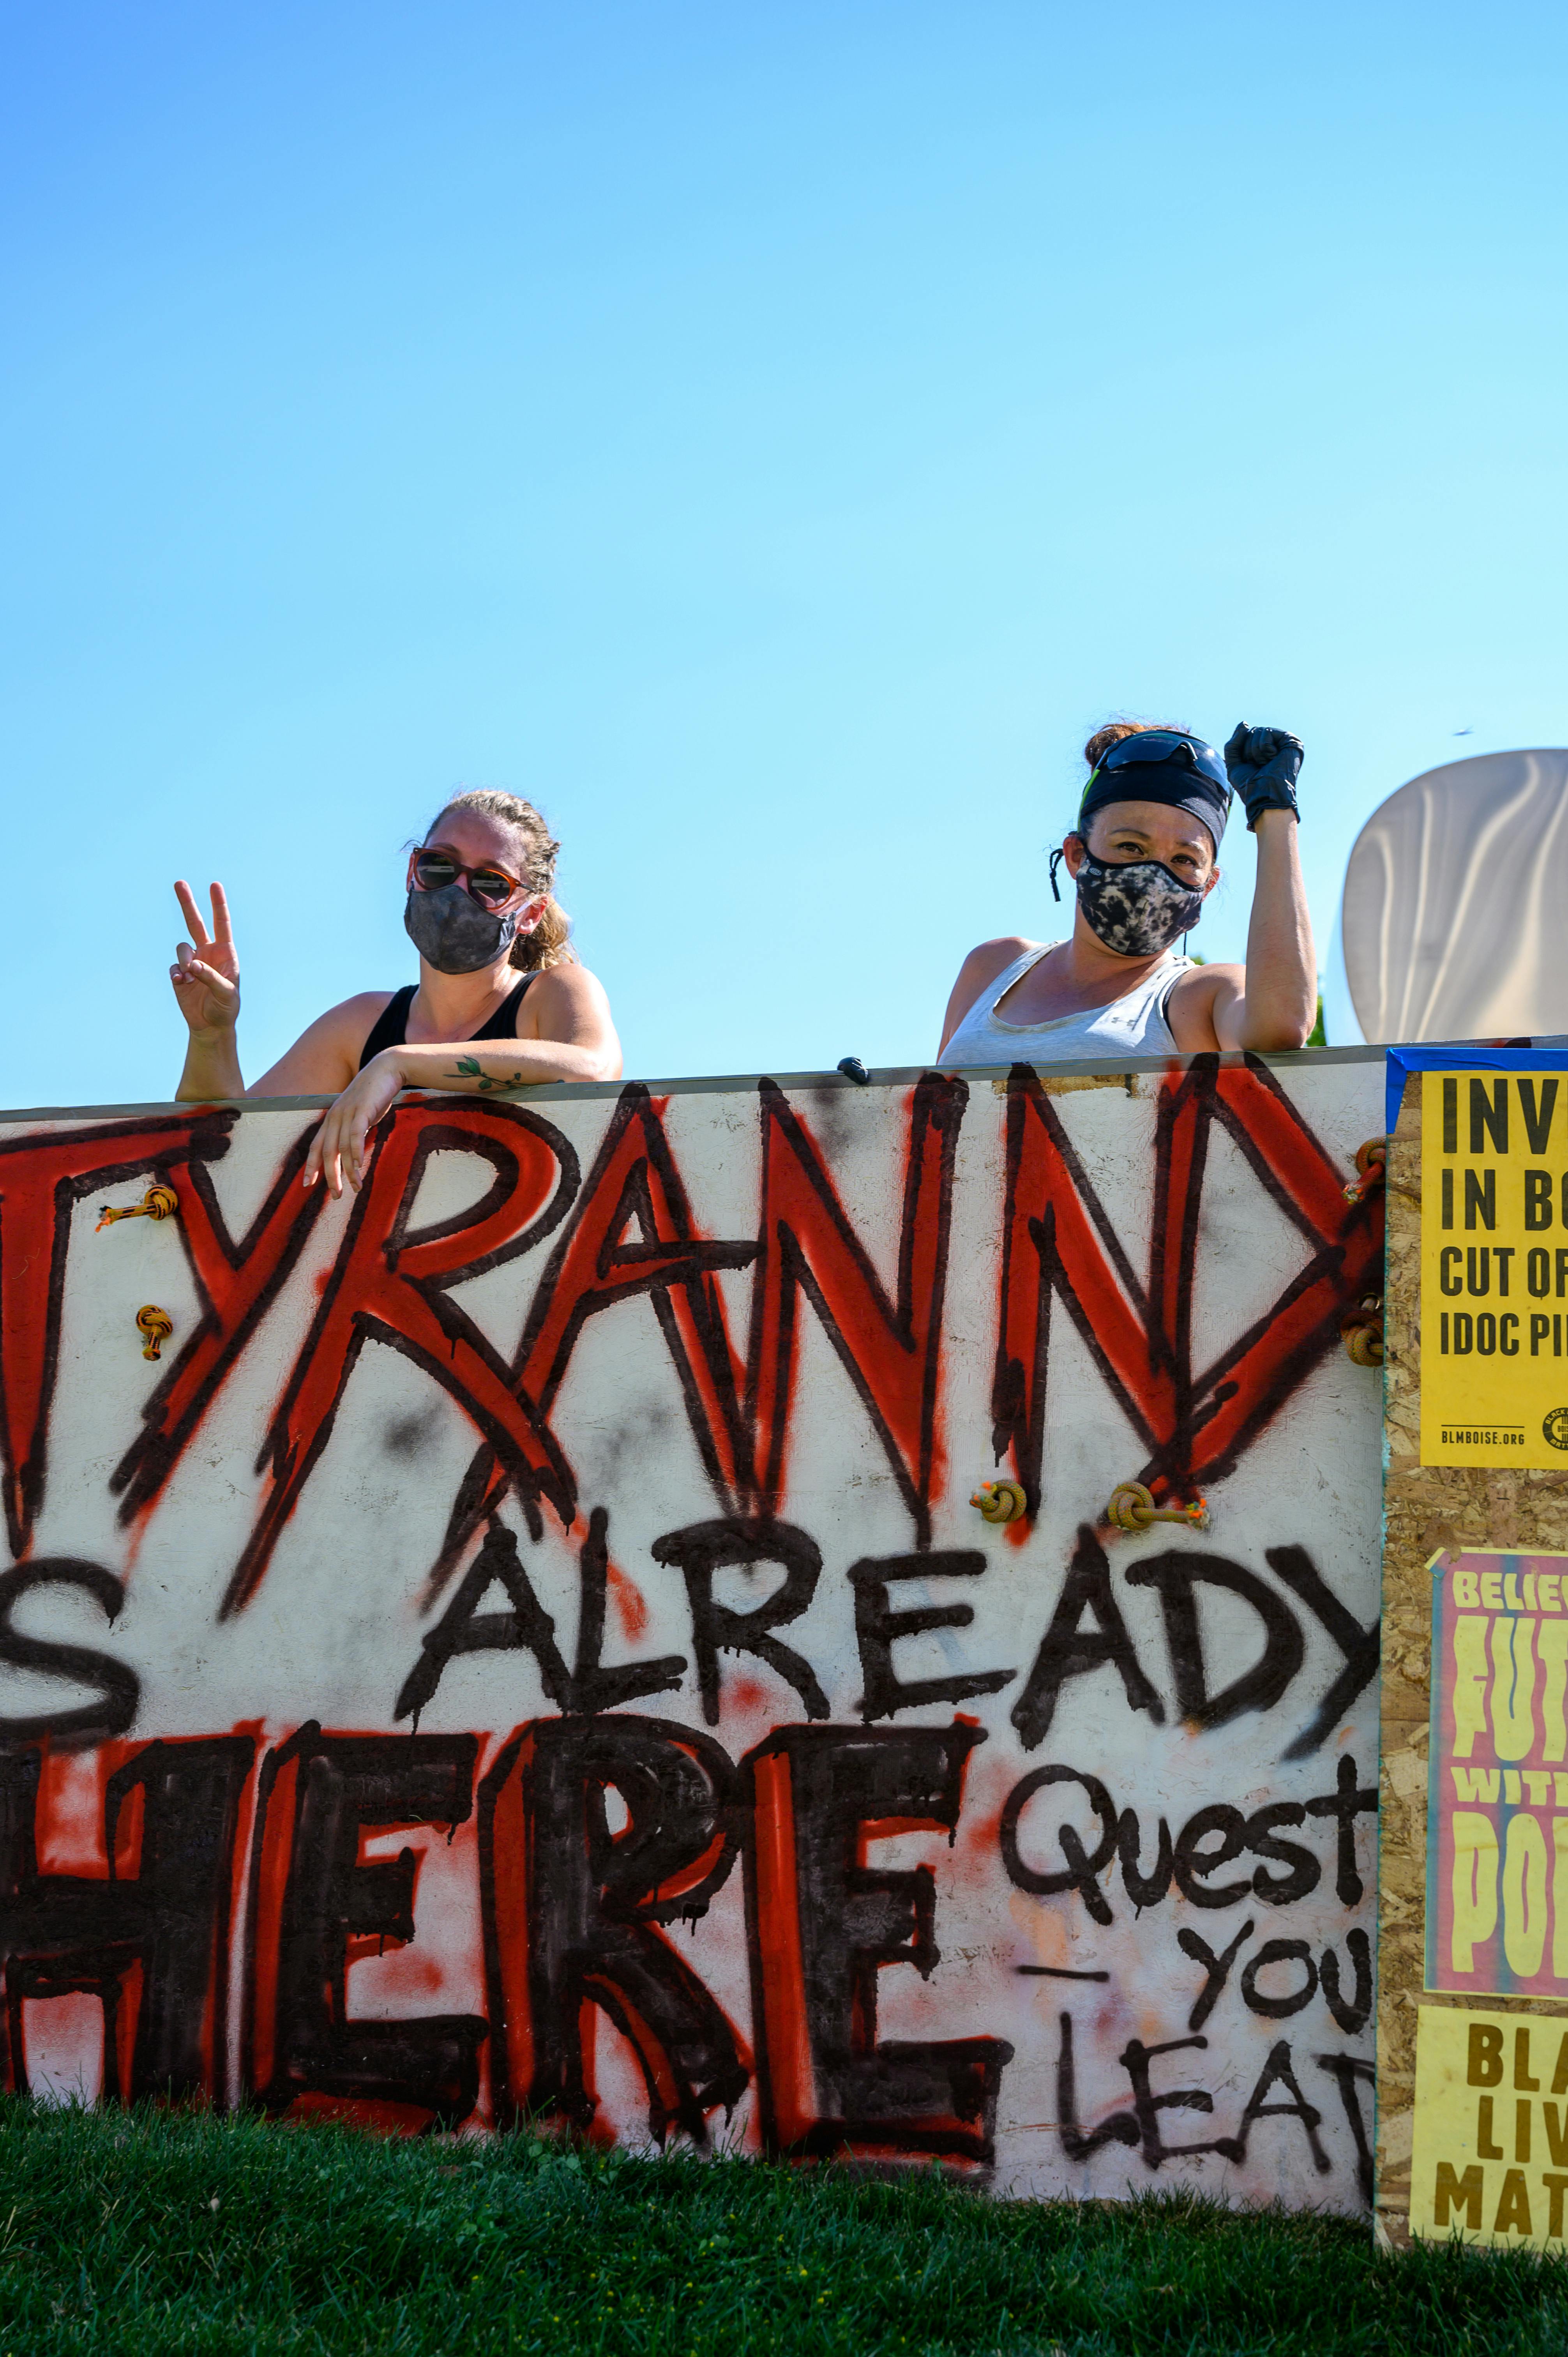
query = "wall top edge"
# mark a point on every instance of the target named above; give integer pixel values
(585, 1092)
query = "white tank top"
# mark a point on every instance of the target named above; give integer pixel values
(1132, 1025)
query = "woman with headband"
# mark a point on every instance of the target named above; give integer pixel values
(1144, 857)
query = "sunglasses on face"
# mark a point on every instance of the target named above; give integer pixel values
(492, 888)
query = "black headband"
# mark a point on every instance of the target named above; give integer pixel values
(1165, 766)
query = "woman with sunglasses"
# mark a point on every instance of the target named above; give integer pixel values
(501, 1001)
(1143, 856)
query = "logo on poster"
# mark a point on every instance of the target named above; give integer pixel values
(1494, 1248)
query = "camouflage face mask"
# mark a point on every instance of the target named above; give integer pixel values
(1136, 910)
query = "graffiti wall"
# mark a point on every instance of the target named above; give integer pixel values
(524, 1645)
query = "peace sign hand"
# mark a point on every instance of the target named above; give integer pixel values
(206, 976)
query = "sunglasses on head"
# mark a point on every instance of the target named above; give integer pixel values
(492, 888)
(1164, 745)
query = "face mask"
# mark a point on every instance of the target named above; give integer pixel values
(1136, 910)
(452, 933)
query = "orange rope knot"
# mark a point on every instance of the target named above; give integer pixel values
(1368, 1311)
(1364, 1343)
(1361, 1329)
(159, 1202)
(1001, 1502)
(1133, 1508)
(1371, 1170)
(153, 1325)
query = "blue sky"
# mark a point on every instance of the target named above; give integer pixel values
(770, 438)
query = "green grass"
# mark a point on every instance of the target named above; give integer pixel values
(150, 2234)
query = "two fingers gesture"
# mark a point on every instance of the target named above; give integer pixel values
(206, 971)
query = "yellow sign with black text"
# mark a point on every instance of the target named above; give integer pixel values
(1490, 2157)
(1494, 1269)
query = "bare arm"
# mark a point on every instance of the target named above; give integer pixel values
(1271, 1001)
(206, 979)
(210, 1074)
(484, 1065)
(325, 1056)
(568, 999)
(564, 1027)
(980, 969)
(565, 1034)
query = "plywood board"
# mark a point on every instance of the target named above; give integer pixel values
(1478, 1508)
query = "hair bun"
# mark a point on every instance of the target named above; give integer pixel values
(1113, 732)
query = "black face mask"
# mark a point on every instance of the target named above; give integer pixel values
(452, 933)
(1137, 910)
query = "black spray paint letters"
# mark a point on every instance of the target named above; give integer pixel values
(589, 1685)
(1289, 1961)
(1141, 2127)
(1086, 1630)
(313, 1903)
(706, 1548)
(573, 1911)
(822, 1925)
(113, 1708)
(1211, 1842)
(150, 1942)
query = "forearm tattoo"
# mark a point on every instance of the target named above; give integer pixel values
(469, 1068)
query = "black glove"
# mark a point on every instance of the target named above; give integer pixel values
(1263, 765)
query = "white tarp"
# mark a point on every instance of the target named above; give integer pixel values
(1450, 926)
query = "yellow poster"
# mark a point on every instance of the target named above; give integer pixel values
(1494, 1269)
(1490, 2161)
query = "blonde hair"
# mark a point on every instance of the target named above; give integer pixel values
(549, 943)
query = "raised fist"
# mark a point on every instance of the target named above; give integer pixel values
(1263, 765)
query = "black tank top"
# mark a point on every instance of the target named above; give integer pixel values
(390, 1028)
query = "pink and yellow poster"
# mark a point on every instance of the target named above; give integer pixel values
(1497, 1855)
